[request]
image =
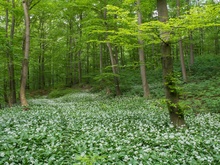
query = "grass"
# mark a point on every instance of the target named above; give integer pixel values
(84, 128)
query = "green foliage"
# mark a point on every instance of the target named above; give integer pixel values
(90, 129)
(103, 81)
(202, 92)
(60, 92)
(89, 160)
(205, 67)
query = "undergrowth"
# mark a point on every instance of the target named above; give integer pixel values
(84, 128)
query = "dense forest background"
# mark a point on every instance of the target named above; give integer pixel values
(109, 82)
(111, 46)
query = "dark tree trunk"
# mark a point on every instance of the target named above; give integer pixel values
(41, 56)
(9, 54)
(172, 96)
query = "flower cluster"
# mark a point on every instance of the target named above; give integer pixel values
(86, 128)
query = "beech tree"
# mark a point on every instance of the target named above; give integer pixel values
(142, 56)
(24, 73)
(171, 90)
(78, 42)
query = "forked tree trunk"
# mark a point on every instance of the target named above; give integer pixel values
(145, 85)
(172, 96)
(24, 72)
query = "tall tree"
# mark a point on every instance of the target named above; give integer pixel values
(24, 73)
(171, 91)
(9, 52)
(191, 46)
(183, 67)
(113, 57)
(141, 56)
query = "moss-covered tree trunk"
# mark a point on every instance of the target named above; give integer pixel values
(172, 95)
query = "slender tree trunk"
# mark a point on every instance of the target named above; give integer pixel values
(145, 85)
(217, 42)
(191, 48)
(114, 69)
(41, 56)
(24, 73)
(70, 64)
(190, 39)
(122, 62)
(101, 59)
(201, 40)
(79, 52)
(79, 67)
(113, 58)
(172, 96)
(183, 66)
(9, 55)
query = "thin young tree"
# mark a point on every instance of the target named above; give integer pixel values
(183, 67)
(24, 73)
(145, 85)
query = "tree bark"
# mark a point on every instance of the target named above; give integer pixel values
(114, 70)
(41, 56)
(145, 85)
(113, 59)
(172, 96)
(80, 50)
(183, 67)
(100, 58)
(24, 73)
(9, 55)
(217, 42)
(191, 48)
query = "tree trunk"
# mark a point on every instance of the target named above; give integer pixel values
(172, 96)
(9, 54)
(217, 41)
(190, 38)
(100, 59)
(24, 73)
(41, 56)
(183, 67)
(80, 50)
(69, 60)
(191, 48)
(141, 56)
(114, 69)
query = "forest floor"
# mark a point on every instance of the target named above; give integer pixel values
(85, 128)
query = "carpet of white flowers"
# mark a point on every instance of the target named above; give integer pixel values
(88, 129)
